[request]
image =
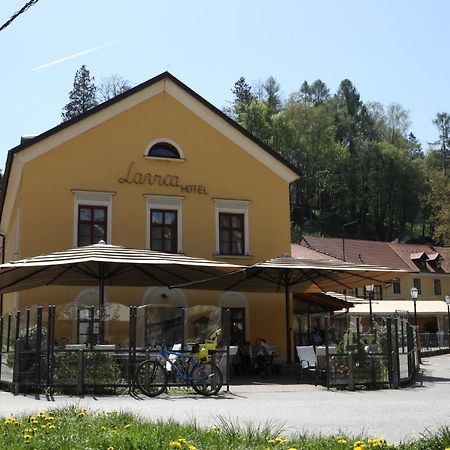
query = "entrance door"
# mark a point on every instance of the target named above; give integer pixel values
(236, 325)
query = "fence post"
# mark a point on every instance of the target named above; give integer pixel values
(226, 335)
(80, 377)
(132, 347)
(49, 338)
(395, 357)
(27, 329)
(1, 345)
(351, 375)
(50, 368)
(16, 336)
(16, 373)
(183, 320)
(38, 345)
(8, 333)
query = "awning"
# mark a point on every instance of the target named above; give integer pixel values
(423, 307)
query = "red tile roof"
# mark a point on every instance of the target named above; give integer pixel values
(357, 251)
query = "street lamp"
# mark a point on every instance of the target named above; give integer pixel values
(414, 292)
(447, 300)
(369, 290)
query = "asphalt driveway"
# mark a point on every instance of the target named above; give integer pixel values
(396, 415)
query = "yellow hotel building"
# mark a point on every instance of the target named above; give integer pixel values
(157, 167)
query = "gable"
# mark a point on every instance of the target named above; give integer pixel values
(164, 84)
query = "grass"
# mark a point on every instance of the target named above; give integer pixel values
(73, 428)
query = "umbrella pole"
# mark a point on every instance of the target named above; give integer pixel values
(288, 324)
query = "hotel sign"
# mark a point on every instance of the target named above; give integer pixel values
(154, 179)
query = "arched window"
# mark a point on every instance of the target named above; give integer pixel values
(164, 150)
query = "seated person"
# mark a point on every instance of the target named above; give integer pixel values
(263, 355)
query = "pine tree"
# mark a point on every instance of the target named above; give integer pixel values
(82, 96)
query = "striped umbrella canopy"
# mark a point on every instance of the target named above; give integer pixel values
(107, 265)
(287, 274)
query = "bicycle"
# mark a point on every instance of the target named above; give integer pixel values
(151, 375)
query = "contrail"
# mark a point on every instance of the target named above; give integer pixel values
(84, 52)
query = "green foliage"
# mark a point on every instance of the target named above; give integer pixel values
(83, 95)
(100, 368)
(76, 428)
(359, 161)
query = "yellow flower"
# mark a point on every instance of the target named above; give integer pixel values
(42, 414)
(82, 414)
(110, 448)
(49, 418)
(214, 430)
(358, 444)
(192, 447)
(271, 441)
(51, 427)
(182, 440)
(281, 440)
(26, 438)
(292, 448)
(341, 440)
(359, 447)
(127, 426)
(175, 444)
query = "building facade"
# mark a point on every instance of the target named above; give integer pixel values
(428, 270)
(157, 167)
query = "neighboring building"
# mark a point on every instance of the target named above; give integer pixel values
(428, 267)
(157, 167)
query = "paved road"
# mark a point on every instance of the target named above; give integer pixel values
(397, 415)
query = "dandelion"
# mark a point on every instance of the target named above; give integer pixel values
(192, 447)
(281, 440)
(175, 444)
(359, 447)
(51, 427)
(9, 420)
(26, 438)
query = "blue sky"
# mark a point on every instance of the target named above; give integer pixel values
(393, 51)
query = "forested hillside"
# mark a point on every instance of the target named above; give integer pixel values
(364, 172)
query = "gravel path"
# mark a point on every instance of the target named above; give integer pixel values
(396, 415)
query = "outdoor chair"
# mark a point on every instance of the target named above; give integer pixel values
(308, 361)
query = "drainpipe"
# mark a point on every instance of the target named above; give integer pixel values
(3, 261)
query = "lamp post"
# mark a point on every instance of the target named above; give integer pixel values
(414, 293)
(369, 289)
(447, 300)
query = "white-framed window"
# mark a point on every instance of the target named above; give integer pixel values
(232, 227)
(164, 223)
(92, 217)
(165, 149)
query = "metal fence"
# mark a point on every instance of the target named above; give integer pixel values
(388, 355)
(35, 357)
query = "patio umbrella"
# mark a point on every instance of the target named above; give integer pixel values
(287, 274)
(101, 264)
(106, 265)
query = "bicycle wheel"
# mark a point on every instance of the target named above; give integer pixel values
(151, 378)
(206, 378)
